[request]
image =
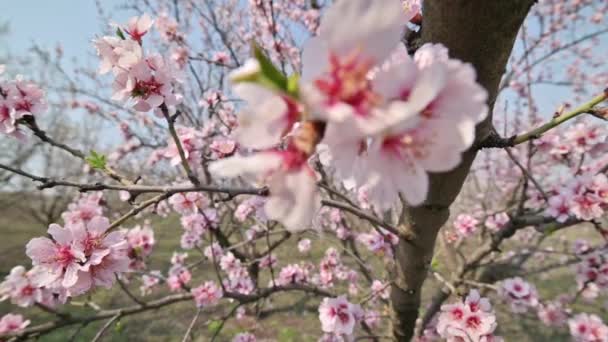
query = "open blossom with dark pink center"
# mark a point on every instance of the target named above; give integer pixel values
(148, 83)
(465, 225)
(11, 323)
(61, 256)
(137, 27)
(588, 328)
(79, 256)
(20, 288)
(471, 321)
(519, 294)
(338, 316)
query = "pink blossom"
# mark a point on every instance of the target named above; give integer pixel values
(223, 147)
(552, 314)
(26, 98)
(149, 282)
(137, 27)
(497, 221)
(20, 288)
(558, 208)
(267, 118)
(338, 316)
(192, 144)
(520, 294)
(465, 225)
(179, 277)
(117, 55)
(148, 83)
(424, 105)
(188, 202)
(62, 257)
(140, 240)
(11, 323)
(588, 328)
(293, 274)
(293, 198)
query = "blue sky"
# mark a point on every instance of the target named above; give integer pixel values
(72, 22)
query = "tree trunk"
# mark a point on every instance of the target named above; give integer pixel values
(480, 32)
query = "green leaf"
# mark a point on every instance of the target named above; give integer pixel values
(96, 160)
(214, 326)
(293, 85)
(434, 264)
(120, 34)
(269, 71)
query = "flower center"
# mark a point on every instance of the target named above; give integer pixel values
(347, 81)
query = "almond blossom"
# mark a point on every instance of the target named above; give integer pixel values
(61, 256)
(20, 288)
(520, 294)
(497, 221)
(588, 328)
(267, 118)
(12, 323)
(338, 316)
(465, 225)
(293, 198)
(137, 27)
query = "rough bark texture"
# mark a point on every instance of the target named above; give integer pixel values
(481, 32)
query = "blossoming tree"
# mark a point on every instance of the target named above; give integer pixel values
(312, 150)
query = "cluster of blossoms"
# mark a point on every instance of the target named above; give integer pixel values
(578, 139)
(592, 273)
(384, 125)
(584, 197)
(519, 294)
(197, 217)
(465, 225)
(18, 98)
(79, 256)
(238, 280)
(473, 320)
(207, 294)
(145, 80)
(140, 241)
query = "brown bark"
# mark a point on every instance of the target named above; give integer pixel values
(481, 32)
